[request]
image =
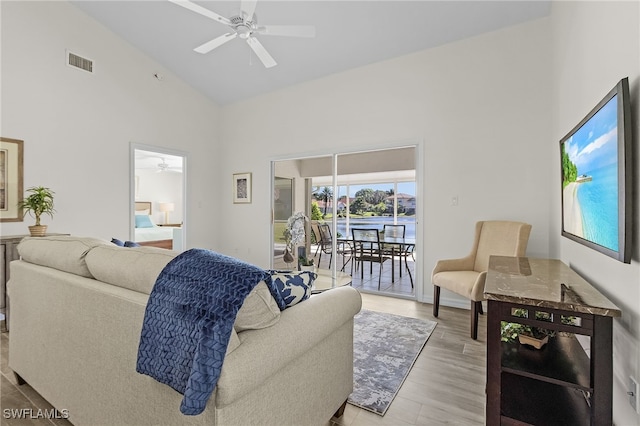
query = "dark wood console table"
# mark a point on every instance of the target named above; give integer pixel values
(560, 383)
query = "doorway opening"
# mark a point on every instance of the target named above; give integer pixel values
(158, 202)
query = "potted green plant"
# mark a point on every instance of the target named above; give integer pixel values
(306, 264)
(525, 334)
(530, 335)
(536, 337)
(39, 202)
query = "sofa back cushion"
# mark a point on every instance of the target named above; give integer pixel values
(135, 268)
(259, 310)
(63, 252)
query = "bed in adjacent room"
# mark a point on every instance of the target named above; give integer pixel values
(147, 233)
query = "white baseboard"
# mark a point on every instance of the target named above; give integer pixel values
(454, 302)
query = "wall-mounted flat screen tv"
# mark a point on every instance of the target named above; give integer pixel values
(597, 177)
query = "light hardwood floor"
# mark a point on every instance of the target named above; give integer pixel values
(445, 386)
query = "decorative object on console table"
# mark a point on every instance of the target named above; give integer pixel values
(38, 203)
(525, 339)
(242, 188)
(11, 163)
(535, 337)
(167, 208)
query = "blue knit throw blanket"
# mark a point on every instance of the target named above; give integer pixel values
(189, 318)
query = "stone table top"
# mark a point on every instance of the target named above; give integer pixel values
(547, 283)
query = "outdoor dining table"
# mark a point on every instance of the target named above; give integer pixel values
(399, 243)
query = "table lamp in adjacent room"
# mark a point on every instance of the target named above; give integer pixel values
(166, 208)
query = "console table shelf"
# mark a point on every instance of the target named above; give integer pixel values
(560, 383)
(562, 361)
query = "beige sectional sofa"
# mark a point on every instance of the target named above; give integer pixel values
(76, 312)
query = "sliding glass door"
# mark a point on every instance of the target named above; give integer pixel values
(368, 190)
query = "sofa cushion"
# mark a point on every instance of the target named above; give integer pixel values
(259, 310)
(63, 252)
(294, 287)
(234, 342)
(135, 268)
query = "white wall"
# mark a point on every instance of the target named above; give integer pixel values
(77, 127)
(595, 45)
(487, 113)
(166, 187)
(479, 107)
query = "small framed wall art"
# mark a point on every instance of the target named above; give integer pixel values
(242, 188)
(11, 179)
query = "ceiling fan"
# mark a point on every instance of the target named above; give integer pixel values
(245, 26)
(166, 167)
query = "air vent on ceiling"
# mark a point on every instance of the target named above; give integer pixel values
(79, 62)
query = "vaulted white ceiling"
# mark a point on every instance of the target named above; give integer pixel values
(349, 34)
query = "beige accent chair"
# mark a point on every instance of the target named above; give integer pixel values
(466, 276)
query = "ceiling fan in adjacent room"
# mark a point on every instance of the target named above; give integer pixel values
(166, 167)
(245, 25)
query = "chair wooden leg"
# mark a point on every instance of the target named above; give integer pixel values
(436, 300)
(480, 309)
(474, 319)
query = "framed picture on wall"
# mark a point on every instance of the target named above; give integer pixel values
(242, 188)
(11, 179)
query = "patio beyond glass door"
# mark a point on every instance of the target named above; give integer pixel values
(337, 193)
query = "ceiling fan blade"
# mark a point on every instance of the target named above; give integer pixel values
(216, 42)
(248, 7)
(261, 52)
(202, 11)
(289, 30)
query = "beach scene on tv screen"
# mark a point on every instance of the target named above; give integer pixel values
(590, 179)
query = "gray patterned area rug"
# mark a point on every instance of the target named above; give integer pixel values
(385, 347)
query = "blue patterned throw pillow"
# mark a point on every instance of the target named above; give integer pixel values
(294, 287)
(117, 242)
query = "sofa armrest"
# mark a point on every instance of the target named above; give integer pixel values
(263, 353)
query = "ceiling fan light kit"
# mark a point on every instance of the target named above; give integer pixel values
(245, 26)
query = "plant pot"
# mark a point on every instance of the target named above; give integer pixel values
(38, 230)
(532, 341)
(311, 268)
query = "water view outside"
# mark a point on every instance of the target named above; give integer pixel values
(377, 223)
(370, 206)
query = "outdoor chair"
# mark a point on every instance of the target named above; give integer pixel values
(403, 251)
(466, 276)
(368, 248)
(324, 240)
